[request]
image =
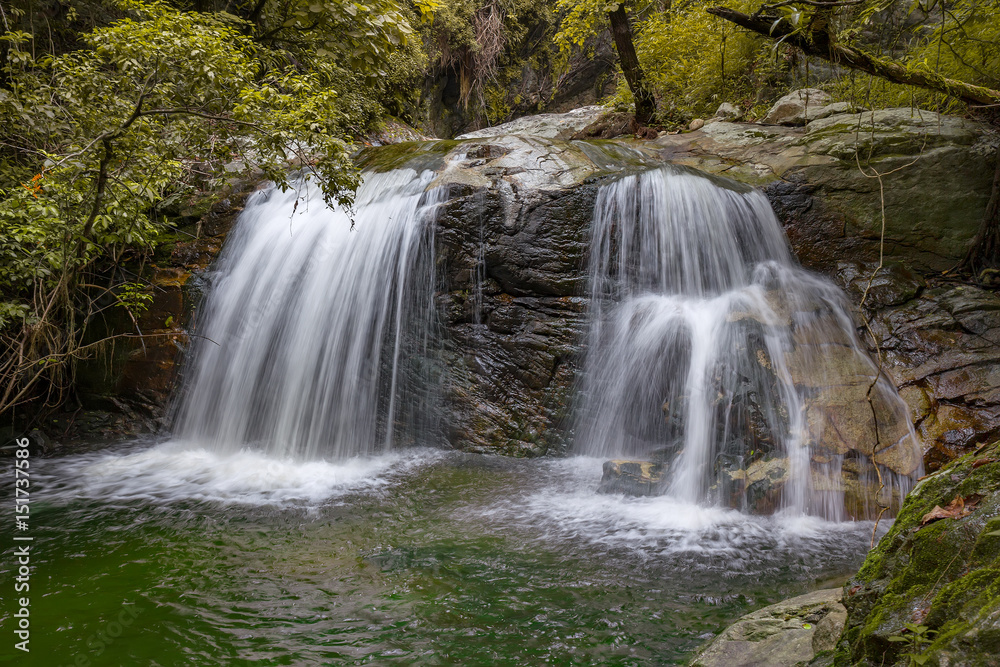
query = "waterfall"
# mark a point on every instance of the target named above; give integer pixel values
(315, 322)
(712, 352)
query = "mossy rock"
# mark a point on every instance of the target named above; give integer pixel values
(941, 574)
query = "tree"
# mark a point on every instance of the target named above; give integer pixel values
(966, 33)
(582, 20)
(145, 109)
(621, 30)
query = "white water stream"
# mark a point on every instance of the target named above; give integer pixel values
(301, 345)
(710, 348)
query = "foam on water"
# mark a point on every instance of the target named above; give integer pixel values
(564, 508)
(177, 471)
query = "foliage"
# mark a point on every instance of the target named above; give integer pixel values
(487, 44)
(955, 38)
(695, 62)
(917, 640)
(158, 101)
(692, 60)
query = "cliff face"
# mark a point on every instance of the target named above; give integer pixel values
(512, 239)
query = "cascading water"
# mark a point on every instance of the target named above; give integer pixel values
(712, 351)
(708, 347)
(305, 344)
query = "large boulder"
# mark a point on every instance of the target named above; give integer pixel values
(511, 242)
(795, 107)
(543, 126)
(786, 634)
(929, 593)
(823, 181)
(633, 478)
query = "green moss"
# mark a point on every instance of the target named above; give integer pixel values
(944, 574)
(418, 155)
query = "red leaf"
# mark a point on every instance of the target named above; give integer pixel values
(956, 509)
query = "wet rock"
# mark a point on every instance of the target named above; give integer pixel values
(633, 478)
(792, 109)
(789, 633)
(937, 168)
(512, 243)
(544, 126)
(758, 488)
(942, 349)
(892, 285)
(854, 487)
(942, 574)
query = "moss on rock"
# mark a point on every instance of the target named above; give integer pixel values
(943, 574)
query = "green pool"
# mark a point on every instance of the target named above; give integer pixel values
(163, 554)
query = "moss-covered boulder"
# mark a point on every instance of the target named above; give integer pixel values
(929, 593)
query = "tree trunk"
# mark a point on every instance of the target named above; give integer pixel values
(821, 43)
(645, 104)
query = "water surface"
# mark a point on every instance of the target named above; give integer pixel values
(415, 557)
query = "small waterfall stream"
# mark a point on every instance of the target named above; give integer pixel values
(303, 343)
(710, 350)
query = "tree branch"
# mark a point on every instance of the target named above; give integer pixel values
(821, 43)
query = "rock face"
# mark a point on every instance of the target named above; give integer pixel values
(936, 170)
(126, 391)
(941, 347)
(930, 591)
(512, 241)
(793, 632)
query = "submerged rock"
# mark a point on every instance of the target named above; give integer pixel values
(758, 488)
(792, 632)
(930, 590)
(633, 478)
